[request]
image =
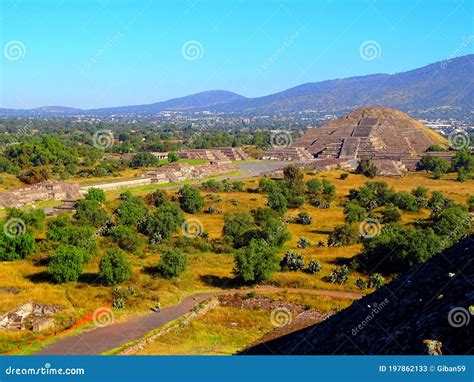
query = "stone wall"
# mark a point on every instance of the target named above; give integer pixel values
(38, 193)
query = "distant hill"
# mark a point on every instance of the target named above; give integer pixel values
(443, 84)
(199, 101)
(397, 318)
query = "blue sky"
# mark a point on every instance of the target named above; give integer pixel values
(96, 53)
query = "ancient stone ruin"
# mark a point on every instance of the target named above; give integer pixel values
(390, 139)
(218, 153)
(39, 192)
(30, 316)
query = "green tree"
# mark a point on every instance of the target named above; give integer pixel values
(15, 247)
(66, 264)
(354, 212)
(157, 198)
(173, 157)
(165, 221)
(277, 201)
(256, 262)
(89, 212)
(239, 228)
(172, 263)
(190, 199)
(126, 238)
(343, 235)
(114, 267)
(95, 194)
(391, 214)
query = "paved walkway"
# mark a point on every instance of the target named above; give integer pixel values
(102, 339)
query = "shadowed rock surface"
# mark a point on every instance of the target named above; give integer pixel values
(397, 318)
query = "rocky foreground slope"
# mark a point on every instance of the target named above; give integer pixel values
(427, 310)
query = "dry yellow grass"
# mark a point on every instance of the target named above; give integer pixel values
(81, 298)
(221, 331)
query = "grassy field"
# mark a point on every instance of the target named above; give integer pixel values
(211, 334)
(222, 331)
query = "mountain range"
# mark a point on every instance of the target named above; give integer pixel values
(445, 84)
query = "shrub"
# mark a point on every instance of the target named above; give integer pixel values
(277, 201)
(95, 194)
(292, 261)
(15, 247)
(88, 212)
(376, 280)
(304, 218)
(470, 203)
(354, 212)
(406, 201)
(340, 275)
(420, 192)
(256, 262)
(238, 228)
(114, 267)
(156, 198)
(172, 263)
(190, 199)
(361, 284)
(344, 176)
(163, 222)
(391, 214)
(212, 185)
(126, 238)
(314, 187)
(131, 211)
(314, 266)
(173, 157)
(343, 235)
(438, 202)
(413, 247)
(368, 169)
(303, 242)
(66, 264)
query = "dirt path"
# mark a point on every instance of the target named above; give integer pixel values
(102, 339)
